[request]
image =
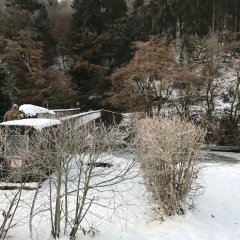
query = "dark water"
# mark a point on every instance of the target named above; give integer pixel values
(205, 157)
(213, 157)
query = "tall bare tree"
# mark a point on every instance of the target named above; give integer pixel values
(146, 79)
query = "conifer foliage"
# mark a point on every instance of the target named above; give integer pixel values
(6, 88)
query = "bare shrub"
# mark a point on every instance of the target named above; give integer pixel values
(167, 150)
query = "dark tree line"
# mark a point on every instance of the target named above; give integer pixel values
(6, 86)
(180, 17)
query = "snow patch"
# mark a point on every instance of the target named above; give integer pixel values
(32, 110)
(37, 123)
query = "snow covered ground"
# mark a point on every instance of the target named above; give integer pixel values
(130, 215)
(217, 214)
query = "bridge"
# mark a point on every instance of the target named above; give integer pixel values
(79, 119)
(72, 116)
(17, 134)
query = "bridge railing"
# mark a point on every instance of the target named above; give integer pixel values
(104, 116)
(59, 113)
(78, 120)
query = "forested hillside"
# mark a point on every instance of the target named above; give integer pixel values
(92, 53)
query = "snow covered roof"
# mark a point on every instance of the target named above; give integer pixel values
(32, 110)
(37, 123)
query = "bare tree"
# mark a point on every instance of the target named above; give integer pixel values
(229, 132)
(187, 86)
(145, 81)
(213, 52)
(12, 199)
(75, 163)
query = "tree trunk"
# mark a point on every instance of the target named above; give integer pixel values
(213, 16)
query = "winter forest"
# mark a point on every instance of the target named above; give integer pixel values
(117, 54)
(128, 126)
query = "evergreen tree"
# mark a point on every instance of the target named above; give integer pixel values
(95, 27)
(101, 38)
(113, 10)
(6, 88)
(44, 34)
(29, 5)
(137, 4)
(86, 17)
